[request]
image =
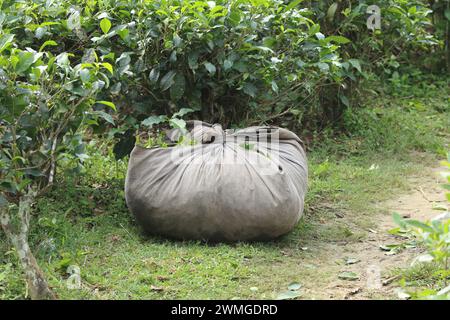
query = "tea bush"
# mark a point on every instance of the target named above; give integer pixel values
(112, 65)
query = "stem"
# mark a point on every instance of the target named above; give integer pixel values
(18, 235)
(51, 174)
(446, 266)
(447, 39)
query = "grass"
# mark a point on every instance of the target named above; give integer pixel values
(84, 221)
(422, 280)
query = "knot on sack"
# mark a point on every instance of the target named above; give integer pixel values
(206, 133)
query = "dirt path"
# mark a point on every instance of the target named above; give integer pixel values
(367, 260)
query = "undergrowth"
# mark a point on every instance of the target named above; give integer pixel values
(84, 220)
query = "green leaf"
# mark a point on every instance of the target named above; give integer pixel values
(227, 64)
(3, 201)
(250, 89)
(324, 67)
(40, 32)
(5, 40)
(262, 48)
(34, 172)
(177, 123)
(447, 13)
(152, 120)
(424, 258)
(403, 295)
(351, 260)
(274, 86)
(240, 66)
(85, 75)
(182, 112)
(154, 75)
(348, 275)
(192, 60)
(338, 39)
(177, 89)
(314, 29)
(419, 225)
(319, 35)
(173, 56)
(107, 103)
(332, 11)
(108, 67)
(446, 290)
(47, 43)
(210, 67)
(26, 59)
(292, 4)
(412, 10)
(106, 116)
(440, 207)
(167, 81)
(123, 34)
(293, 286)
(235, 16)
(105, 25)
(177, 41)
(344, 100)
(288, 295)
(355, 63)
(398, 219)
(73, 21)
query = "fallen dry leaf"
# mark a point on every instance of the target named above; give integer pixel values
(115, 238)
(162, 278)
(352, 292)
(339, 215)
(390, 280)
(155, 288)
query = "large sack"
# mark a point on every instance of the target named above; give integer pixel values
(243, 185)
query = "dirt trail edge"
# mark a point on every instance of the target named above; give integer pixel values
(362, 270)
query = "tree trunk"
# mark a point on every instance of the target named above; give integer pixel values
(16, 226)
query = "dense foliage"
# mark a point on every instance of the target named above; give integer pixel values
(111, 65)
(295, 64)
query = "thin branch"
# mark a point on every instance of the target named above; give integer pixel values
(51, 174)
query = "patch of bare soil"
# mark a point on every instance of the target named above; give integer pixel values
(363, 269)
